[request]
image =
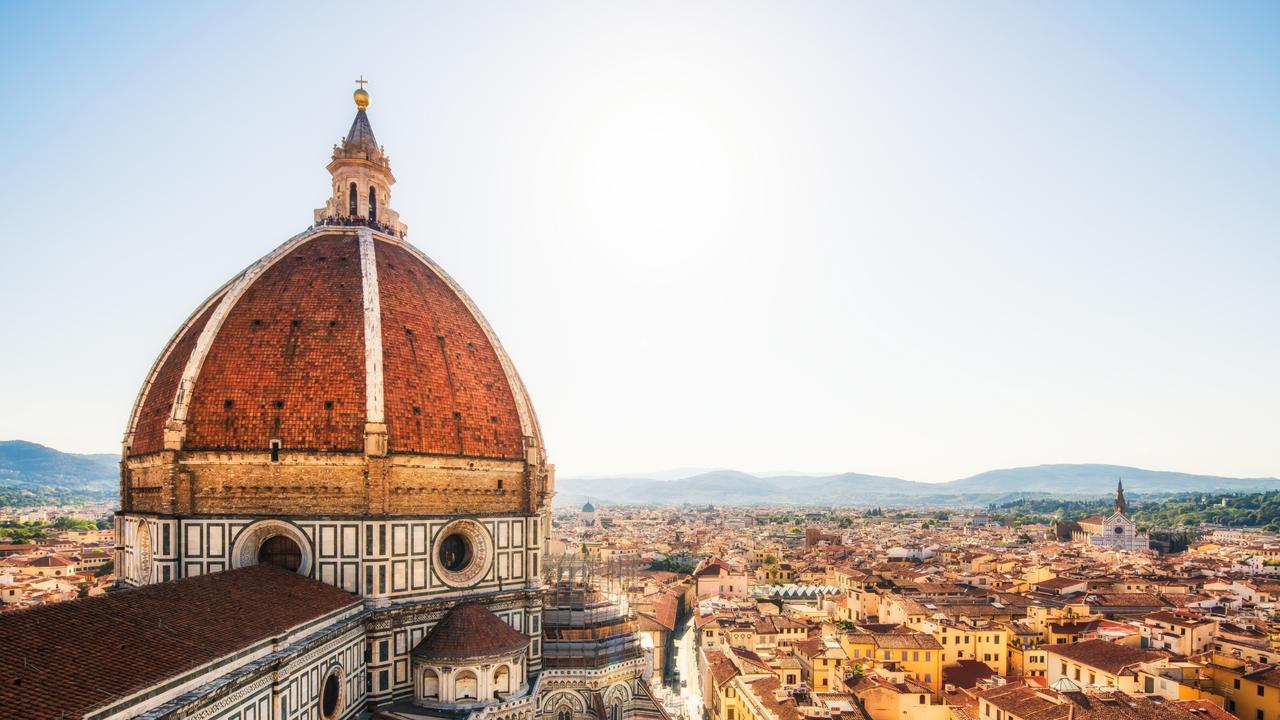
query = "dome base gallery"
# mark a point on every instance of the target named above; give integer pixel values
(331, 456)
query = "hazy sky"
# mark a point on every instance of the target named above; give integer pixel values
(920, 239)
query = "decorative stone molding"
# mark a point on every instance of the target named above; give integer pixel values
(481, 548)
(335, 670)
(231, 700)
(142, 535)
(244, 551)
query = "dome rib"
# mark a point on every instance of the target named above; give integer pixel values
(241, 284)
(157, 393)
(289, 359)
(528, 418)
(371, 295)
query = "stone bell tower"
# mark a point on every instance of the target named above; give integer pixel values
(362, 178)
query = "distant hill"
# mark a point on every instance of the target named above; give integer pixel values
(30, 465)
(1099, 479)
(730, 487)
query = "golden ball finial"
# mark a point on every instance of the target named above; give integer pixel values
(361, 95)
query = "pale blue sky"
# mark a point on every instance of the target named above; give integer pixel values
(918, 239)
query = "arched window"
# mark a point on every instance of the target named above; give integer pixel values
(353, 197)
(564, 714)
(465, 687)
(430, 684)
(281, 552)
(615, 712)
(331, 697)
(502, 679)
(373, 203)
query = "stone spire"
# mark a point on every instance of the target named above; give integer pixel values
(360, 141)
(1121, 506)
(362, 179)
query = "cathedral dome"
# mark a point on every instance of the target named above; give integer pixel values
(343, 369)
(288, 356)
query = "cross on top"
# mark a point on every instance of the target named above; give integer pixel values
(361, 82)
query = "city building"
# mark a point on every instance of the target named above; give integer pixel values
(1116, 530)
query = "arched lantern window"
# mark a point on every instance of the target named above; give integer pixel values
(373, 203)
(353, 198)
(430, 684)
(465, 686)
(502, 679)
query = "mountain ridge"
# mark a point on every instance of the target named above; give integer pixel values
(30, 465)
(24, 464)
(731, 487)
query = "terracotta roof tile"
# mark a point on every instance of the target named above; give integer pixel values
(1106, 656)
(470, 630)
(100, 648)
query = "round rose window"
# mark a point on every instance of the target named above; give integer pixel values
(462, 553)
(455, 552)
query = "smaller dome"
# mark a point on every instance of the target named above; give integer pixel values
(467, 632)
(588, 507)
(362, 98)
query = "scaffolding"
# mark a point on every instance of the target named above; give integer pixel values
(586, 621)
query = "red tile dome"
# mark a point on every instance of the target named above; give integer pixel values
(469, 631)
(336, 332)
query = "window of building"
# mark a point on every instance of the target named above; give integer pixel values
(331, 696)
(502, 679)
(465, 686)
(455, 552)
(373, 203)
(430, 684)
(282, 552)
(352, 200)
(1261, 691)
